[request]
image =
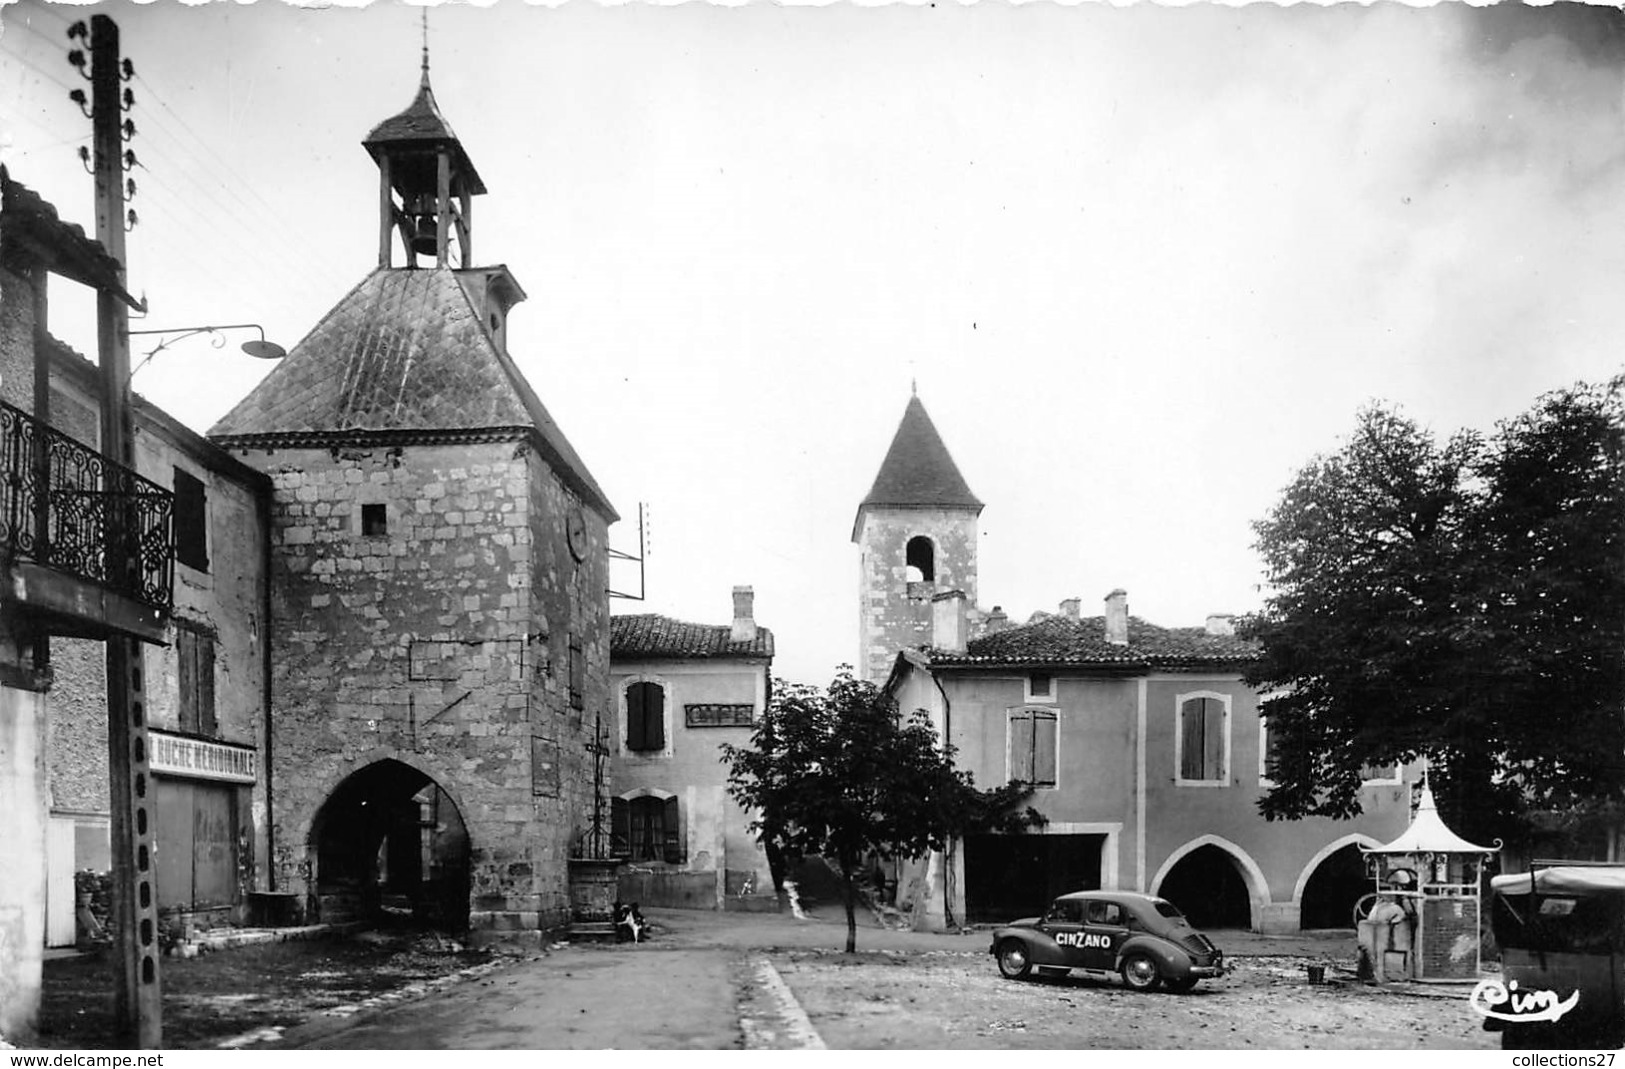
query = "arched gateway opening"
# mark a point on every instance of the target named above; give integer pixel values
(1330, 892)
(1208, 887)
(390, 841)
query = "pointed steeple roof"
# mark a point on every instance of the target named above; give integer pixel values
(918, 471)
(404, 356)
(422, 125)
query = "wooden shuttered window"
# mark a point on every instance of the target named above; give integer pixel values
(1032, 742)
(1201, 739)
(191, 521)
(194, 654)
(646, 829)
(645, 716)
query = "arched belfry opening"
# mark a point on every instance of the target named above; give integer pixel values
(921, 558)
(389, 841)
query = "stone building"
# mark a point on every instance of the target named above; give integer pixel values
(439, 572)
(681, 691)
(170, 553)
(1143, 744)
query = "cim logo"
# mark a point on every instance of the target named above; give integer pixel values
(1083, 940)
(1506, 1003)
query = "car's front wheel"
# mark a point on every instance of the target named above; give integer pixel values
(1140, 972)
(1013, 960)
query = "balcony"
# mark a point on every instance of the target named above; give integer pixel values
(86, 541)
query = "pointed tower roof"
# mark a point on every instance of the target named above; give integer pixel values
(403, 358)
(918, 472)
(1428, 834)
(422, 125)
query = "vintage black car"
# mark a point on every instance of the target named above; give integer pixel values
(1106, 934)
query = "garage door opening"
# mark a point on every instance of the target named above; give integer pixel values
(1012, 876)
(1329, 894)
(390, 842)
(1208, 887)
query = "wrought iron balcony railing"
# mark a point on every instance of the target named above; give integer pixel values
(67, 507)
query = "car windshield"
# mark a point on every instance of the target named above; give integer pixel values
(1168, 909)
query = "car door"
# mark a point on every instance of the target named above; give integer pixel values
(1105, 928)
(1064, 924)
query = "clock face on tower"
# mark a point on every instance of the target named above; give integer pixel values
(575, 532)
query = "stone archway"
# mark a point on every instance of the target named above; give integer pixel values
(390, 840)
(1332, 882)
(1214, 883)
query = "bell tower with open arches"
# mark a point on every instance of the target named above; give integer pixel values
(916, 532)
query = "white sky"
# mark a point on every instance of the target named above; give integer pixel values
(1144, 262)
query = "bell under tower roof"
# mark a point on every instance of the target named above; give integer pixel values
(918, 471)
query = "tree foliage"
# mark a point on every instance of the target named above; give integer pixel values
(1460, 600)
(842, 774)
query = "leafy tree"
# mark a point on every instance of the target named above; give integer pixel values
(844, 775)
(1463, 601)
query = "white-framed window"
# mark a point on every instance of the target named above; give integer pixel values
(1202, 739)
(1380, 775)
(646, 826)
(1038, 687)
(646, 711)
(1032, 741)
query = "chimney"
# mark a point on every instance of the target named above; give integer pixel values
(997, 621)
(1221, 623)
(948, 621)
(1117, 617)
(1069, 608)
(744, 628)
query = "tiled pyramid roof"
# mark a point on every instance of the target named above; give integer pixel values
(403, 352)
(918, 472)
(1060, 641)
(650, 636)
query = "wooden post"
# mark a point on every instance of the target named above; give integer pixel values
(138, 1004)
(386, 215)
(442, 207)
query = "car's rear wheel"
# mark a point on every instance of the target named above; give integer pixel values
(1140, 972)
(1179, 987)
(1013, 960)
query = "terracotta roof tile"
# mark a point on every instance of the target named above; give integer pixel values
(1063, 641)
(650, 636)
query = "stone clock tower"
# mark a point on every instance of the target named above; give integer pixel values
(439, 563)
(916, 530)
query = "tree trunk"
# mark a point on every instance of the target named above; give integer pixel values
(850, 893)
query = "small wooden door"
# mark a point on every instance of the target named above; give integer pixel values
(60, 929)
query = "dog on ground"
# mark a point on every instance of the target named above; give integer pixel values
(630, 926)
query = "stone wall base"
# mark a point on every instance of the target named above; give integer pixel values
(1279, 918)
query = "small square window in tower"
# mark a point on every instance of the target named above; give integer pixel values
(645, 717)
(191, 521)
(374, 520)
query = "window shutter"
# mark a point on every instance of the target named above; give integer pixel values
(620, 828)
(1021, 747)
(1190, 740)
(1213, 739)
(674, 842)
(654, 713)
(186, 666)
(1044, 730)
(206, 722)
(634, 717)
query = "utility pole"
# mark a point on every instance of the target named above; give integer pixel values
(138, 1007)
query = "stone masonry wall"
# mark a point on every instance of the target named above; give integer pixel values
(441, 642)
(894, 613)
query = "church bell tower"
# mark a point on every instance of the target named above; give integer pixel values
(426, 185)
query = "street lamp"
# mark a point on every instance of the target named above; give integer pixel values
(258, 348)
